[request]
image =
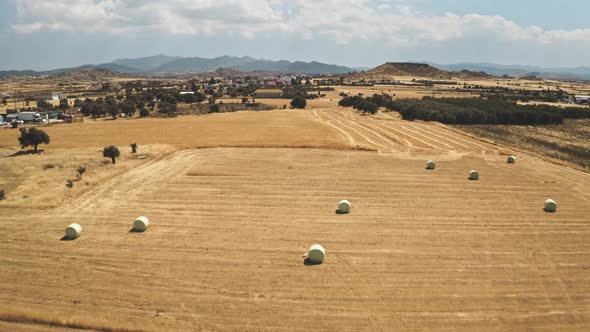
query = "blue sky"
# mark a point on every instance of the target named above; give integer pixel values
(43, 34)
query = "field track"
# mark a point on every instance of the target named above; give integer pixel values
(421, 250)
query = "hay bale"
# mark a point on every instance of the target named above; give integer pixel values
(316, 254)
(141, 224)
(474, 175)
(344, 206)
(550, 205)
(430, 165)
(73, 231)
(511, 160)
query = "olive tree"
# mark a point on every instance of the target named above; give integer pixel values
(112, 152)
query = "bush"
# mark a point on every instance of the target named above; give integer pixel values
(144, 113)
(2, 195)
(69, 183)
(299, 102)
(214, 108)
(81, 170)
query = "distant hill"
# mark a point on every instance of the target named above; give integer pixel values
(160, 64)
(577, 73)
(146, 64)
(422, 70)
(86, 75)
(248, 64)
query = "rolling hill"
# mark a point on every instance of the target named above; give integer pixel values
(421, 70)
(159, 64)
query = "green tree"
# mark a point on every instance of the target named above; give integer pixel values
(369, 107)
(112, 152)
(113, 110)
(214, 108)
(63, 104)
(299, 102)
(167, 108)
(33, 137)
(43, 105)
(144, 113)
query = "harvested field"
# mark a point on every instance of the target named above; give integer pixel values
(278, 128)
(422, 250)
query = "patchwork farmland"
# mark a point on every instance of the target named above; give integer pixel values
(232, 213)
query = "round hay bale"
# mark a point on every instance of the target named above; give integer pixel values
(474, 175)
(141, 224)
(73, 231)
(550, 205)
(316, 254)
(430, 165)
(344, 206)
(511, 160)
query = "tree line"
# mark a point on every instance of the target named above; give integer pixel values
(369, 104)
(483, 111)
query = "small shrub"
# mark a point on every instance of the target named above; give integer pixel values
(144, 113)
(214, 108)
(48, 166)
(133, 148)
(81, 170)
(69, 183)
(2, 195)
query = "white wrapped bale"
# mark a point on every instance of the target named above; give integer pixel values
(316, 254)
(511, 160)
(141, 224)
(474, 175)
(73, 231)
(430, 165)
(344, 206)
(550, 205)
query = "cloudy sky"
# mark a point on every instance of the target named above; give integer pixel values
(47, 34)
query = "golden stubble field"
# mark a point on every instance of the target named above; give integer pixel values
(421, 250)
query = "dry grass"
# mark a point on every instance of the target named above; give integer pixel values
(569, 142)
(39, 181)
(420, 250)
(269, 129)
(31, 320)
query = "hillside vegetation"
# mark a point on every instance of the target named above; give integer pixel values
(481, 111)
(422, 70)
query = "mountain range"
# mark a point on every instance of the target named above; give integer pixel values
(170, 64)
(163, 64)
(577, 73)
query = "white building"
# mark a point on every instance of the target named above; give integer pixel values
(580, 99)
(57, 96)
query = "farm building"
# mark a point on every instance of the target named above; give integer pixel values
(57, 96)
(268, 93)
(579, 99)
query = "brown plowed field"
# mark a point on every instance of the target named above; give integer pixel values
(421, 250)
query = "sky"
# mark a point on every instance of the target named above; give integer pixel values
(49, 34)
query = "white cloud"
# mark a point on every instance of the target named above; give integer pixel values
(341, 20)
